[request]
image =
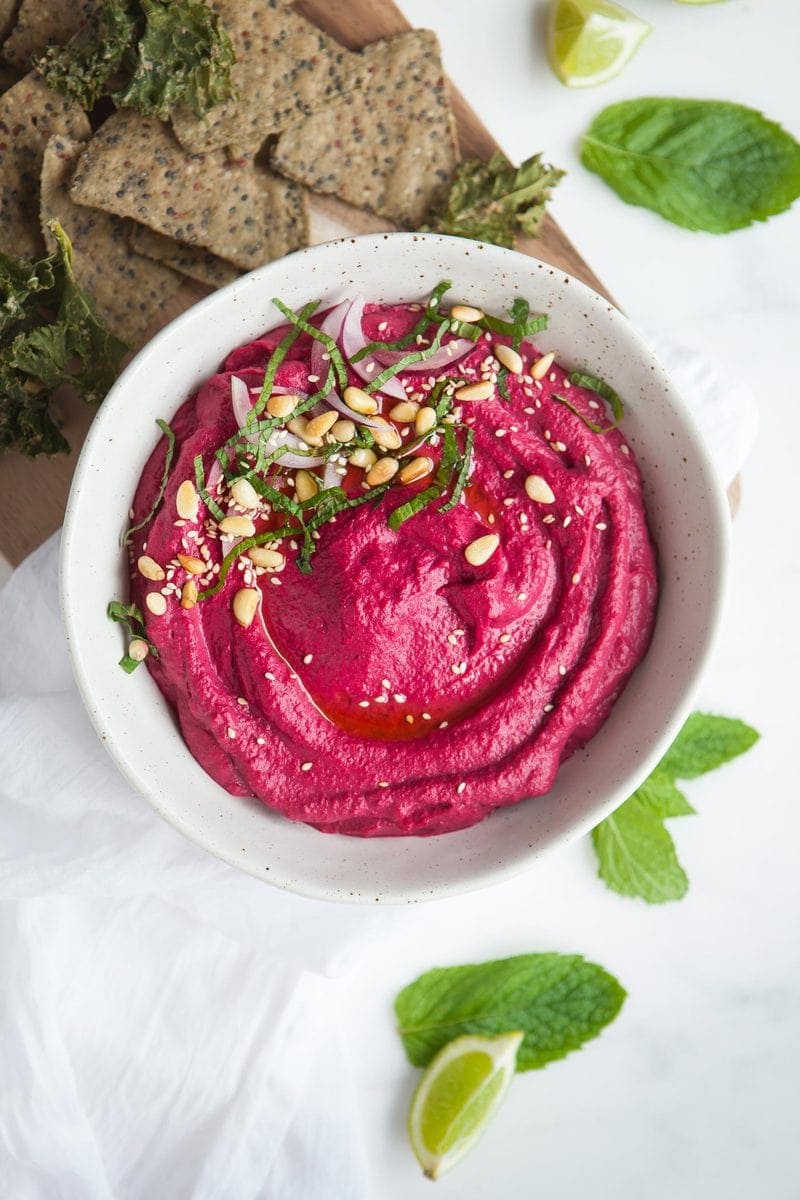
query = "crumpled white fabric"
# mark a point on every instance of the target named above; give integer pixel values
(168, 1026)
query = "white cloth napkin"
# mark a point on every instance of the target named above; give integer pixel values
(169, 1025)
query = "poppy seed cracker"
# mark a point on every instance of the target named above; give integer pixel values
(43, 23)
(285, 69)
(193, 261)
(29, 114)
(240, 211)
(389, 148)
(127, 289)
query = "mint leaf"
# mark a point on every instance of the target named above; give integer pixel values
(492, 202)
(636, 854)
(705, 743)
(702, 164)
(559, 1001)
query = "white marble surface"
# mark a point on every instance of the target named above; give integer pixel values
(693, 1092)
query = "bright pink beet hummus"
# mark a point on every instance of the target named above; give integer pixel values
(396, 688)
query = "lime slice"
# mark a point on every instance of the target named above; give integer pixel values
(457, 1097)
(590, 41)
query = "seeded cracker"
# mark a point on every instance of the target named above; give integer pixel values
(286, 68)
(240, 211)
(193, 261)
(43, 23)
(389, 148)
(29, 114)
(127, 289)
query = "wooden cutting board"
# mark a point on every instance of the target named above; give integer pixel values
(33, 494)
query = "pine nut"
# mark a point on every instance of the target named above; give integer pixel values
(150, 568)
(539, 489)
(299, 426)
(481, 550)
(384, 470)
(156, 603)
(262, 556)
(387, 437)
(360, 401)
(305, 486)
(465, 312)
(138, 650)
(244, 493)
(281, 406)
(363, 457)
(187, 501)
(404, 411)
(189, 594)
(195, 566)
(543, 365)
(245, 605)
(475, 391)
(418, 468)
(425, 421)
(508, 356)
(237, 526)
(343, 430)
(317, 427)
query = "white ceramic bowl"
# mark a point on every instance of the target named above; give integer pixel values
(688, 518)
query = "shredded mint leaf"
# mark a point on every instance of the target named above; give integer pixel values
(50, 335)
(635, 852)
(494, 201)
(162, 487)
(595, 384)
(559, 1001)
(702, 164)
(146, 54)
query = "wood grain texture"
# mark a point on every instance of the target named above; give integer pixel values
(33, 494)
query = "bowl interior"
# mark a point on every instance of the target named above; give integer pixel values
(687, 515)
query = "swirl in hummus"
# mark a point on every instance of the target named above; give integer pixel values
(379, 675)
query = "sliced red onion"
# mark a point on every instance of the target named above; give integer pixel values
(352, 340)
(331, 477)
(336, 402)
(332, 325)
(214, 476)
(240, 400)
(278, 390)
(451, 352)
(282, 437)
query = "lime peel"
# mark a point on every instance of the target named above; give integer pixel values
(457, 1096)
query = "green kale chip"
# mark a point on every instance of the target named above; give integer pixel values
(50, 335)
(146, 54)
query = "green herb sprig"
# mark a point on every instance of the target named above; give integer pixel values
(635, 852)
(131, 617)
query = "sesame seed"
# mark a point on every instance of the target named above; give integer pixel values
(308, 658)
(363, 704)
(306, 766)
(426, 716)
(277, 582)
(549, 519)
(567, 520)
(313, 379)
(443, 724)
(587, 459)
(261, 741)
(385, 683)
(241, 700)
(505, 637)
(601, 525)
(562, 670)
(625, 449)
(269, 675)
(461, 787)
(509, 500)
(400, 697)
(381, 699)
(529, 411)
(576, 578)
(500, 433)
(578, 509)
(547, 435)
(559, 446)
(508, 474)
(231, 732)
(409, 719)
(383, 783)
(522, 596)
(593, 404)
(549, 707)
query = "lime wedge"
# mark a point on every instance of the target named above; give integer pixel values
(590, 41)
(457, 1097)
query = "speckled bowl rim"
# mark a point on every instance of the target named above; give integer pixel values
(300, 877)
